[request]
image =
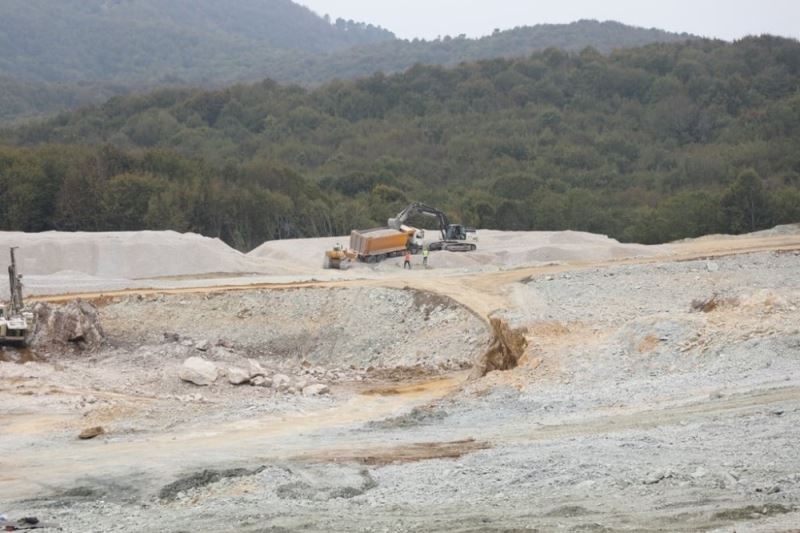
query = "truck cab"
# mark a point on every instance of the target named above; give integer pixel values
(416, 238)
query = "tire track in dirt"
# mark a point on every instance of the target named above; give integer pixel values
(192, 447)
(650, 418)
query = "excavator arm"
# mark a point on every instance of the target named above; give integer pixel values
(453, 235)
(418, 208)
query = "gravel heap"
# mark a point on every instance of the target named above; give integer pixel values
(506, 249)
(123, 255)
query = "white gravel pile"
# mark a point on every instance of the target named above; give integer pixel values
(123, 255)
(506, 249)
(777, 231)
(301, 252)
(520, 248)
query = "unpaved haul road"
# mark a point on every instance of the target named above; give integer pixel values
(483, 292)
(160, 455)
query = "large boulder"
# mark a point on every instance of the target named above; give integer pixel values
(76, 323)
(198, 371)
(316, 390)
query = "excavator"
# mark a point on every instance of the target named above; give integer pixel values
(455, 237)
(377, 244)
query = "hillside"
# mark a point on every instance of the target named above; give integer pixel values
(206, 42)
(155, 40)
(55, 51)
(397, 55)
(648, 144)
(23, 99)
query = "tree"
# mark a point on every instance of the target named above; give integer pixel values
(126, 200)
(745, 204)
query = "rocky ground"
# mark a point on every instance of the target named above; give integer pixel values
(662, 395)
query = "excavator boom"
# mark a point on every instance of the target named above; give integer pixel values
(418, 208)
(453, 235)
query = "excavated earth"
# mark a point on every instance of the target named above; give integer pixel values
(660, 394)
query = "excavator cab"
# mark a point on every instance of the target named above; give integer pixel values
(455, 232)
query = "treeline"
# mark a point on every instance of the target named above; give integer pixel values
(648, 145)
(93, 53)
(72, 188)
(20, 100)
(391, 56)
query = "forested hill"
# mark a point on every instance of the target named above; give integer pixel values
(647, 144)
(55, 54)
(208, 42)
(397, 55)
(132, 41)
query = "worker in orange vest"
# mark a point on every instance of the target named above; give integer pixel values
(407, 261)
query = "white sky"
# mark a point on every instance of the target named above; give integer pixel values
(725, 19)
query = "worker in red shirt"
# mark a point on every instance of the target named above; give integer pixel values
(407, 260)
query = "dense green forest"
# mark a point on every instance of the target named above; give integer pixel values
(153, 40)
(20, 100)
(54, 50)
(202, 41)
(648, 144)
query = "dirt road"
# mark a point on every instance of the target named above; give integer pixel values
(481, 292)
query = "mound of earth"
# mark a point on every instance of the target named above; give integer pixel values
(302, 252)
(124, 255)
(777, 231)
(507, 249)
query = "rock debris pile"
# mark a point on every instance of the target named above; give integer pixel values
(75, 324)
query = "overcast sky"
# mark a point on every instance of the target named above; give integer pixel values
(725, 19)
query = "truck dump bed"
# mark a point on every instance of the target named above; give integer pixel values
(378, 242)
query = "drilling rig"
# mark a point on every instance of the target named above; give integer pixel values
(14, 321)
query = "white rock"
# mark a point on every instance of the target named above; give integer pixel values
(712, 266)
(261, 381)
(237, 376)
(255, 368)
(281, 381)
(198, 371)
(316, 389)
(203, 345)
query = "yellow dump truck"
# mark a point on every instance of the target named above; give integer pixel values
(375, 245)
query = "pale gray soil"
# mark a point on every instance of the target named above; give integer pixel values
(635, 408)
